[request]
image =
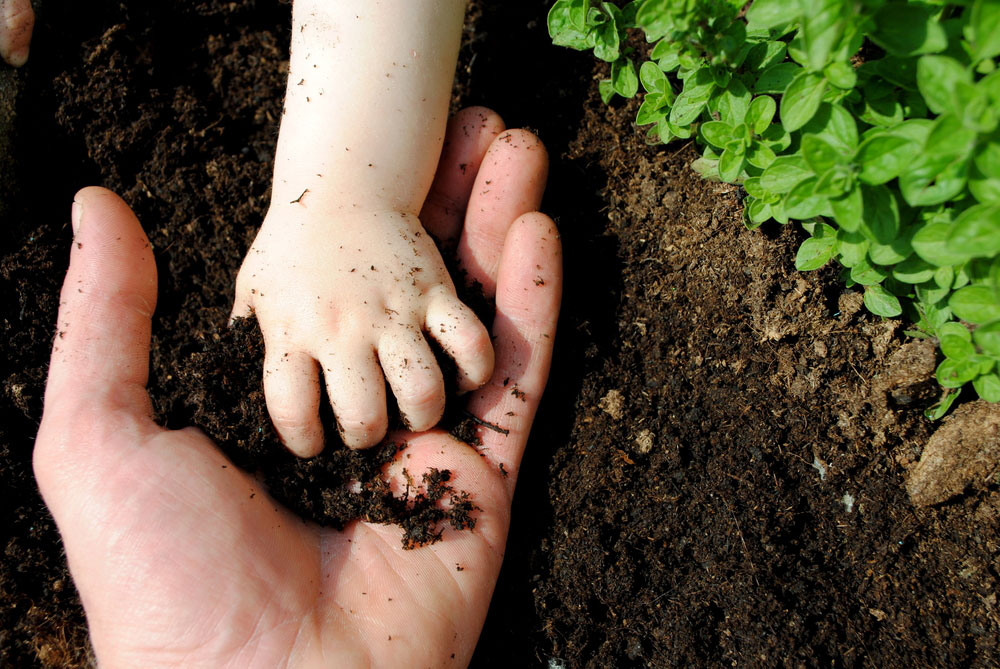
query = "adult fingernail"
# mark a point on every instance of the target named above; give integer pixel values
(76, 216)
(19, 57)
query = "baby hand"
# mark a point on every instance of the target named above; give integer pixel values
(353, 294)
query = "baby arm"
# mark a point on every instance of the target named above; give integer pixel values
(342, 276)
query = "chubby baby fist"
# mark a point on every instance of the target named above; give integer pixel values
(351, 296)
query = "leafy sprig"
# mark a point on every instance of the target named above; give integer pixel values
(874, 123)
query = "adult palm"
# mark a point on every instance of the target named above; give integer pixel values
(180, 558)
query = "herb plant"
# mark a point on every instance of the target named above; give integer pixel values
(874, 123)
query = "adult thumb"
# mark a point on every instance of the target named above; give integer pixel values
(100, 355)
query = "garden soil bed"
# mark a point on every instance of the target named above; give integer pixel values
(717, 473)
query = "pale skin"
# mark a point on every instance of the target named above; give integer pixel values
(181, 559)
(342, 277)
(17, 19)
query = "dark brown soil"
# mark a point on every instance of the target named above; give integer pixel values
(226, 399)
(717, 472)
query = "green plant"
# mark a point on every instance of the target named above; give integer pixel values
(872, 122)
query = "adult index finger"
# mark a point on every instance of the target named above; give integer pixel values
(17, 19)
(469, 135)
(510, 183)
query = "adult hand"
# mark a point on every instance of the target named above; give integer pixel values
(17, 19)
(181, 559)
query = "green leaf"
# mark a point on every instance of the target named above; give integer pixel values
(663, 47)
(836, 181)
(901, 72)
(607, 42)
(733, 44)
(777, 78)
(848, 210)
(654, 107)
(956, 373)
(888, 254)
(944, 277)
(579, 12)
(668, 57)
(689, 104)
(975, 304)
(984, 188)
(956, 348)
(983, 31)
(987, 337)
(936, 79)
(913, 104)
(784, 174)
(841, 75)
(931, 243)
(987, 158)
(880, 220)
(814, 253)
(758, 212)
(802, 99)
(977, 110)
(962, 277)
(933, 314)
(991, 84)
(653, 80)
(837, 126)
(881, 302)
(771, 13)
(908, 29)
(913, 270)
(802, 203)
(730, 103)
(721, 76)
(753, 188)
(884, 157)
(655, 18)
(865, 274)
(628, 12)
(941, 169)
(954, 329)
(933, 295)
(681, 132)
(819, 154)
(623, 78)
(606, 89)
(761, 113)
(776, 138)
(941, 407)
(731, 161)
(706, 168)
(976, 232)
(764, 55)
(984, 173)
(988, 387)
(885, 112)
(852, 249)
(820, 29)
(760, 155)
(562, 29)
